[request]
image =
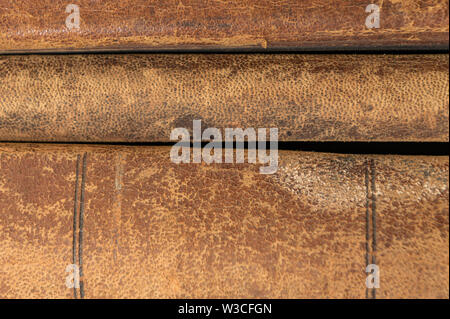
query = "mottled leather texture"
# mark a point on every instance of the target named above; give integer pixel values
(142, 98)
(33, 26)
(140, 226)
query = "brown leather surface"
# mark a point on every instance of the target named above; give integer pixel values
(32, 25)
(151, 228)
(142, 98)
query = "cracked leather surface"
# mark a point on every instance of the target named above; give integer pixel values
(155, 229)
(215, 24)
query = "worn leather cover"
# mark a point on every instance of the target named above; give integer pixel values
(142, 98)
(139, 225)
(32, 25)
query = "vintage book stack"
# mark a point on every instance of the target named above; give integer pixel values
(92, 91)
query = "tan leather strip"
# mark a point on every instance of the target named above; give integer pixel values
(32, 25)
(142, 98)
(154, 229)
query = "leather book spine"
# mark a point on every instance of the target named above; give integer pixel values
(140, 226)
(143, 97)
(254, 25)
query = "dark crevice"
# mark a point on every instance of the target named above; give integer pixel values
(440, 49)
(393, 148)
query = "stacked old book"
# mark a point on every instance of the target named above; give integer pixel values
(91, 92)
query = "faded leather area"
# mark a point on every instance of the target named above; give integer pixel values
(142, 98)
(155, 229)
(214, 24)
